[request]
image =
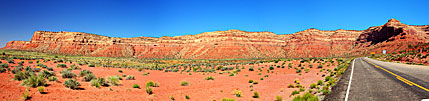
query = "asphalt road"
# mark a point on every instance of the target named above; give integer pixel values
(374, 80)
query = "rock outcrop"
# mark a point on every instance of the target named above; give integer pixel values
(231, 43)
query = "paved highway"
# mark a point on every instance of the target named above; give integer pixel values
(373, 80)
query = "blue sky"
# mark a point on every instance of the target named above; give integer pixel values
(156, 18)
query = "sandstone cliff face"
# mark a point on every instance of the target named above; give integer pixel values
(231, 43)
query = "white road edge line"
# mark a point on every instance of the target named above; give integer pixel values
(350, 81)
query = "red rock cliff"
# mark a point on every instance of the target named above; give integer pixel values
(231, 43)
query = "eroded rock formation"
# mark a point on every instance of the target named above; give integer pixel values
(231, 43)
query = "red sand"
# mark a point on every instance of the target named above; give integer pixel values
(199, 89)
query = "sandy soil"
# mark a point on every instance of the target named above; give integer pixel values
(199, 89)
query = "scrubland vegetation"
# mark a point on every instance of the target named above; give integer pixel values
(75, 72)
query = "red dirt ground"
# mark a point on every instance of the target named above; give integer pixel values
(199, 89)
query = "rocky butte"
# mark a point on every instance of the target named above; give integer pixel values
(392, 36)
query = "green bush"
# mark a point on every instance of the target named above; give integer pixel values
(271, 68)
(313, 85)
(255, 94)
(279, 98)
(120, 71)
(74, 67)
(62, 65)
(98, 82)
(130, 77)
(72, 84)
(291, 86)
(67, 74)
(50, 69)
(2, 70)
(34, 81)
(84, 72)
(114, 80)
(250, 81)
(91, 65)
(41, 89)
(149, 90)
(209, 78)
(228, 99)
(187, 97)
(326, 92)
(23, 75)
(152, 84)
(320, 66)
(184, 83)
(46, 74)
(4, 65)
(319, 82)
(295, 92)
(53, 78)
(251, 69)
(25, 95)
(136, 86)
(88, 77)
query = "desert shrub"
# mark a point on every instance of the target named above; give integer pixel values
(310, 65)
(88, 77)
(98, 82)
(50, 69)
(319, 82)
(16, 70)
(291, 86)
(251, 69)
(84, 72)
(36, 69)
(228, 99)
(171, 97)
(298, 71)
(313, 85)
(255, 82)
(250, 81)
(25, 95)
(261, 79)
(279, 98)
(130, 77)
(23, 75)
(301, 89)
(145, 74)
(62, 65)
(34, 81)
(187, 97)
(4, 65)
(327, 78)
(91, 65)
(237, 93)
(72, 84)
(271, 68)
(149, 90)
(2, 70)
(209, 78)
(46, 74)
(326, 92)
(41, 89)
(255, 94)
(74, 66)
(294, 92)
(114, 80)
(120, 71)
(67, 74)
(184, 83)
(53, 78)
(11, 61)
(320, 66)
(152, 84)
(136, 86)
